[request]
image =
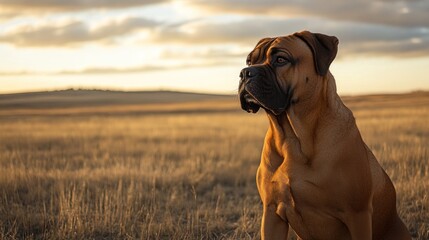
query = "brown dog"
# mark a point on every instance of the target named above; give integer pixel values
(316, 173)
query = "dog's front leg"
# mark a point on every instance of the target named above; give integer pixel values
(273, 226)
(360, 225)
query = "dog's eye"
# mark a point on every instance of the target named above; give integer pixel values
(281, 60)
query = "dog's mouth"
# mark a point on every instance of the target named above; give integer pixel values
(248, 102)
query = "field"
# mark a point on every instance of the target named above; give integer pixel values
(174, 171)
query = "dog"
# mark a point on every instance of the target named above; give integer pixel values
(316, 174)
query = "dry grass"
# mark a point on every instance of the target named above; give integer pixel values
(173, 175)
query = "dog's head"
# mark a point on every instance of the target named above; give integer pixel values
(283, 69)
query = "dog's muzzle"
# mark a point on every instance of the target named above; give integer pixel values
(247, 100)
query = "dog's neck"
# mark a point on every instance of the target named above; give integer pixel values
(305, 117)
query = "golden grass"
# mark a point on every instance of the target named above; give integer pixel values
(221, 105)
(173, 175)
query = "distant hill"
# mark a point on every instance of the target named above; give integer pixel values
(88, 102)
(91, 98)
(373, 101)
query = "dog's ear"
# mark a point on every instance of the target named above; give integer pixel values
(324, 49)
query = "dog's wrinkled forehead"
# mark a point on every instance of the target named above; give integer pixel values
(259, 54)
(323, 49)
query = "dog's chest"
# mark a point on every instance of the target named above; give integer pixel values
(309, 207)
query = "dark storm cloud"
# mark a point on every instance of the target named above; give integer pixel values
(72, 33)
(412, 13)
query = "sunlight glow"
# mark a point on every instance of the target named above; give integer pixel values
(184, 45)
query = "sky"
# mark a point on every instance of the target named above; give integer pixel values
(201, 45)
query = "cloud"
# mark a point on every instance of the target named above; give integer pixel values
(18, 6)
(113, 70)
(383, 27)
(207, 53)
(244, 31)
(139, 69)
(411, 13)
(16, 73)
(72, 33)
(355, 38)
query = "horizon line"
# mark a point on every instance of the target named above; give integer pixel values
(191, 91)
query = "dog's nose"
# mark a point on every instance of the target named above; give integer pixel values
(247, 73)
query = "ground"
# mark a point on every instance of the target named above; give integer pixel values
(177, 172)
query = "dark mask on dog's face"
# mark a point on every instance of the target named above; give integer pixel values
(276, 66)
